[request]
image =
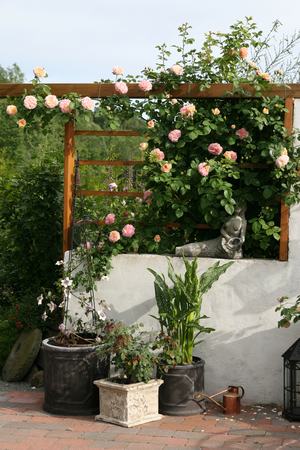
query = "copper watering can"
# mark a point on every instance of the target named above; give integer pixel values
(231, 399)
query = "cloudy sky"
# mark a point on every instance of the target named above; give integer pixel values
(80, 40)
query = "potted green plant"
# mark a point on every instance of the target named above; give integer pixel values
(131, 397)
(179, 315)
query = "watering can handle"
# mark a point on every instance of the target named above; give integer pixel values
(238, 387)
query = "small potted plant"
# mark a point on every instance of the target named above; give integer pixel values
(179, 315)
(131, 397)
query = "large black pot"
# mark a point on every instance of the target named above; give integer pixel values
(69, 373)
(176, 394)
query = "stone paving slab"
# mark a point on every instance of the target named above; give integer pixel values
(25, 426)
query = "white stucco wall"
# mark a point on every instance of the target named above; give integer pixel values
(246, 347)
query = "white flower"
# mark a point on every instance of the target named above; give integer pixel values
(59, 263)
(40, 299)
(51, 306)
(61, 305)
(67, 282)
(98, 340)
(101, 314)
(44, 316)
(105, 277)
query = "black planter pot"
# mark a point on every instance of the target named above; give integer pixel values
(176, 395)
(69, 373)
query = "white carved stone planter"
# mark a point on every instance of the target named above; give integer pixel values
(128, 404)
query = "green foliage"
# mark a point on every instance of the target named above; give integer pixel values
(290, 313)
(179, 308)
(11, 74)
(8, 336)
(129, 351)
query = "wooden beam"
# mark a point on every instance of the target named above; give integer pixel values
(69, 168)
(284, 209)
(185, 90)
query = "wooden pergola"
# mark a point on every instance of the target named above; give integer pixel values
(184, 91)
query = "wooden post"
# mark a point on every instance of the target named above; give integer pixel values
(69, 167)
(284, 209)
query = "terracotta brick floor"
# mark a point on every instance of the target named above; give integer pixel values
(24, 425)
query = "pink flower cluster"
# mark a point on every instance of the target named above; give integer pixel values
(166, 167)
(114, 236)
(188, 110)
(110, 219)
(121, 87)
(156, 155)
(174, 135)
(242, 133)
(87, 103)
(145, 85)
(30, 102)
(64, 106)
(215, 149)
(282, 161)
(128, 231)
(229, 154)
(11, 110)
(117, 70)
(203, 169)
(176, 69)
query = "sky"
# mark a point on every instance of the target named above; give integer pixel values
(81, 40)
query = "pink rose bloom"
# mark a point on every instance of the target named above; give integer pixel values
(110, 219)
(51, 101)
(176, 69)
(265, 76)
(150, 124)
(64, 106)
(243, 52)
(157, 155)
(215, 149)
(30, 102)
(39, 72)
(157, 238)
(121, 87)
(282, 161)
(87, 103)
(11, 110)
(188, 110)
(117, 70)
(203, 169)
(114, 236)
(146, 195)
(230, 155)
(242, 133)
(145, 85)
(174, 135)
(128, 231)
(166, 167)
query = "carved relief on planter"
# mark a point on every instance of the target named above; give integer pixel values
(128, 405)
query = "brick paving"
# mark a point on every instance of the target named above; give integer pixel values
(25, 426)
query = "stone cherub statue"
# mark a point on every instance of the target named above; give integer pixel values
(228, 245)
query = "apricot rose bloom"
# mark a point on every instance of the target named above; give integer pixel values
(150, 124)
(166, 167)
(121, 87)
(114, 236)
(21, 123)
(39, 72)
(143, 146)
(51, 101)
(156, 155)
(174, 135)
(215, 111)
(203, 169)
(265, 111)
(117, 70)
(176, 69)
(188, 110)
(157, 238)
(30, 102)
(11, 110)
(282, 161)
(229, 154)
(243, 52)
(128, 230)
(145, 85)
(215, 148)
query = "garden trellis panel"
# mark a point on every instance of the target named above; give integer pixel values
(185, 91)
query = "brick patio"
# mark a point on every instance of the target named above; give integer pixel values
(24, 425)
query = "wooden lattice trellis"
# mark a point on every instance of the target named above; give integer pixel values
(185, 91)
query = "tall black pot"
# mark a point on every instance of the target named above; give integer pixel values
(69, 373)
(176, 394)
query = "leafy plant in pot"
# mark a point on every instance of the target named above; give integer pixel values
(70, 361)
(131, 397)
(179, 315)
